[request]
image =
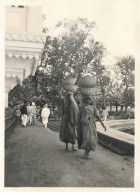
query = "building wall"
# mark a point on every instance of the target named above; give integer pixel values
(25, 20)
(24, 42)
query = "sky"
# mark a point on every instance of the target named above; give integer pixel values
(116, 20)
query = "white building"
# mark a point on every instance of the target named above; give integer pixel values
(24, 42)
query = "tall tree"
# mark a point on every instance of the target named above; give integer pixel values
(103, 79)
(16, 95)
(126, 67)
(72, 51)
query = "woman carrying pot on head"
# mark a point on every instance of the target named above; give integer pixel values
(87, 133)
(70, 118)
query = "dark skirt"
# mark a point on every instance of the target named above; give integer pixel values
(67, 131)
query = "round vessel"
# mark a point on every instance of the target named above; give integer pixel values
(87, 91)
(69, 81)
(70, 88)
(89, 81)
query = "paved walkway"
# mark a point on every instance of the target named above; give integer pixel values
(34, 157)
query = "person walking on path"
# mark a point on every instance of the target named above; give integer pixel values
(29, 114)
(129, 111)
(23, 111)
(40, 110)
(18, 114)
(105, 114)
(87, 133)
(45, 114)
(33, 113)
(69, 120)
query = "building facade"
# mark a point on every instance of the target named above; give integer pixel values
(24, 42)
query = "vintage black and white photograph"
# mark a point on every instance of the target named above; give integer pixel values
(70, 93)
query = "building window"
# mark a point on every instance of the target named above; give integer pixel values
(19, 6)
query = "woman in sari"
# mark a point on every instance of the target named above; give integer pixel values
(70, 118)
(87, 133)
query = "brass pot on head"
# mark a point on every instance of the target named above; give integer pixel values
(88, 81)
(87, 85)
(87, 91)
(69, 81)
(68, 84)
(70, 88)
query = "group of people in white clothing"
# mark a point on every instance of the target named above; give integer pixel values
(28, 114)
(31, 113)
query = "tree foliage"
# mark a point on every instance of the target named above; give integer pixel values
(126, 66)
(16, 95)
(74, 51)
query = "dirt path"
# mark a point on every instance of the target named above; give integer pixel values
(34, 157)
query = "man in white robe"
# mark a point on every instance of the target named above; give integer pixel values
(45, 114)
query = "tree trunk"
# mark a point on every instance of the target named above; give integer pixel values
(104, 99)
(116, 105)
(110, 106)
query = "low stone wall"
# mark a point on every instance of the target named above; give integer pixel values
(10, 121)
(53, 127)
(117, 141)
(118, 146)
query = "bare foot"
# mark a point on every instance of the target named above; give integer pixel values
(86, 154)
(67, 149)
(73, 149)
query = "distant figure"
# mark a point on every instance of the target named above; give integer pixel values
(105, 114)
(129, 111)
(40, 110)
(18, 114)
(37, 111)
(45, 114)
(87, 133)
(29, 114)
(33, 113)
(23, 111)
